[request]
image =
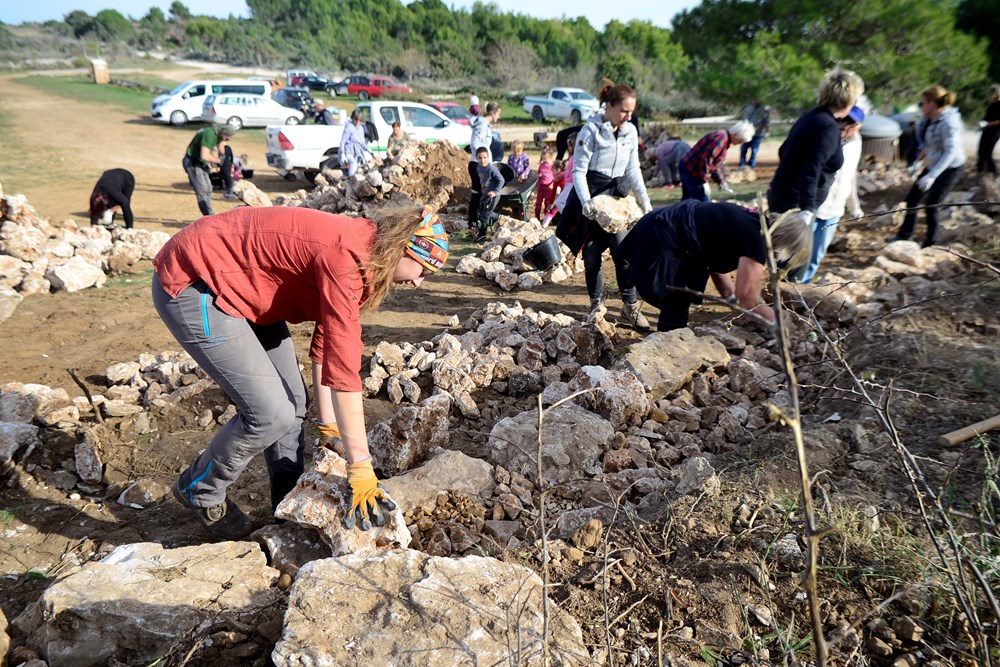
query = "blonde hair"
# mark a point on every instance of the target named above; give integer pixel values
(517, 144)
(393, 228)
(791, 241)
(939, 96)
(994, 92)
(840, 89)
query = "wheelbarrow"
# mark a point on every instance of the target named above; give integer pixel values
(514, 195)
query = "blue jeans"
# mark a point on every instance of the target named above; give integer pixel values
(691, 187)
(751, 147)
(257, 368)
(823, 232)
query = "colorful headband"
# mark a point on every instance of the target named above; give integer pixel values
(429, 245)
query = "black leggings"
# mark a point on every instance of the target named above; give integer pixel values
(942, 185)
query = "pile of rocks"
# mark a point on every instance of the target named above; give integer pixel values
(882, 176)
(420, 173)
(508, 348)
(903, 273)
(502, 258)
(36, 256)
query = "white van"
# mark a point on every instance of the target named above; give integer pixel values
(184, 103)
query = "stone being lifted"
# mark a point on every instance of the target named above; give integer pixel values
(616, 214)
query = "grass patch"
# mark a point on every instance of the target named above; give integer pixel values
(81, 89)
(7, 516)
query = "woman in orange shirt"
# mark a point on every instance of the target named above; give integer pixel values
(227, 285)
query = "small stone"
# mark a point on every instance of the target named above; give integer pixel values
(589, 535)
(878, 647)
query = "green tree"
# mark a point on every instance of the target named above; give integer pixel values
(980, 18)
(179, 12)
(80, 22)
(110, 25)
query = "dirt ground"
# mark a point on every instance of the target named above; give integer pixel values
(944, 356)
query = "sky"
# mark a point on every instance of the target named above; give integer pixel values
(598, 12)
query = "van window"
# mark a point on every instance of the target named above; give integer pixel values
(194, 91)
(246, 88)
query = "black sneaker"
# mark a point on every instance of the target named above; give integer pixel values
(225, 520)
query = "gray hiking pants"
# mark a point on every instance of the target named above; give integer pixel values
(202, 184)
(256, 366)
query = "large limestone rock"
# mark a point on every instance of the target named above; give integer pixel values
(23, 402)
(667, 360)
(15, 436)
(572, 442)
(320, 500)
(9, 301)
(404, 441)
(446, 472)
(410, 608)
(76, 274)
(142, 599)
(616, 214)
(4, 640)
(250, 193)
(617, 395)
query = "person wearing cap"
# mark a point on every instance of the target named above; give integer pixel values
(321, 114)
(203, 154)
(832, 209)
(227, 286)
(353, 149)
(474, 107)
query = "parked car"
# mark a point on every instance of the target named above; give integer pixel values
(248, 111)
(573, 104)
(313, 82)
(295, 76)
(312, 148)
(184, 103)
(376, 86)
(295, 98)
(275, 83)
(454, 111)
(343, 87)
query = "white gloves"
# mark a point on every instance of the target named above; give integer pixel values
(725, 188)
(925, 183)
(805, 217)
(708, 191)
(589, 209)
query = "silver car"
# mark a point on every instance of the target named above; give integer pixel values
(243, 110)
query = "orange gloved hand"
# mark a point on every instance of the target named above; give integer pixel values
(367, 497)
(328, 430)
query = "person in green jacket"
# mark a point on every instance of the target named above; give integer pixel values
(203, 153)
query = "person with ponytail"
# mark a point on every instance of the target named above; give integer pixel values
(227, 286)
(605, 161)
(944, 162)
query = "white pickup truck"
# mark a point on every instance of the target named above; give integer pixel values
(573, 104)
(311, 148)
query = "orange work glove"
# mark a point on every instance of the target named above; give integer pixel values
(367, 497)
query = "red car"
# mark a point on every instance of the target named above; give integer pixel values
(455, 112)
(375, 86)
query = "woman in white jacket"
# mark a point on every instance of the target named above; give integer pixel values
(832, 209)
(944, 161)
(605, 161)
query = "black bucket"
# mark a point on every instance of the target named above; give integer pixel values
(545, 255)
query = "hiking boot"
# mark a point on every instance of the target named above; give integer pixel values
(229, 195)
(632, 314)
(225, 520)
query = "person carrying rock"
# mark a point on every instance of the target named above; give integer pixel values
(112, 193)
(228, 285)
(203, 154)
(680, 246)
(605, 161)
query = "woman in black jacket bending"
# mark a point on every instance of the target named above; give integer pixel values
(112, 193)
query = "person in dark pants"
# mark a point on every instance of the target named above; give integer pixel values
(202, 154)
(944, 162)
(491, 181)
(482, 137)
(112, 193)
(986, 166)
(811, 155)
(605, 162)
(227, 286)
(682, 245)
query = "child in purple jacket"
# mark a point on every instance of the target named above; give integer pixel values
(519, 162)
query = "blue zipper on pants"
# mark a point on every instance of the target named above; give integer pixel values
(204, 316)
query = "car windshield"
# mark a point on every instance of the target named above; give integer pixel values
(581, 95)
(178, 89)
